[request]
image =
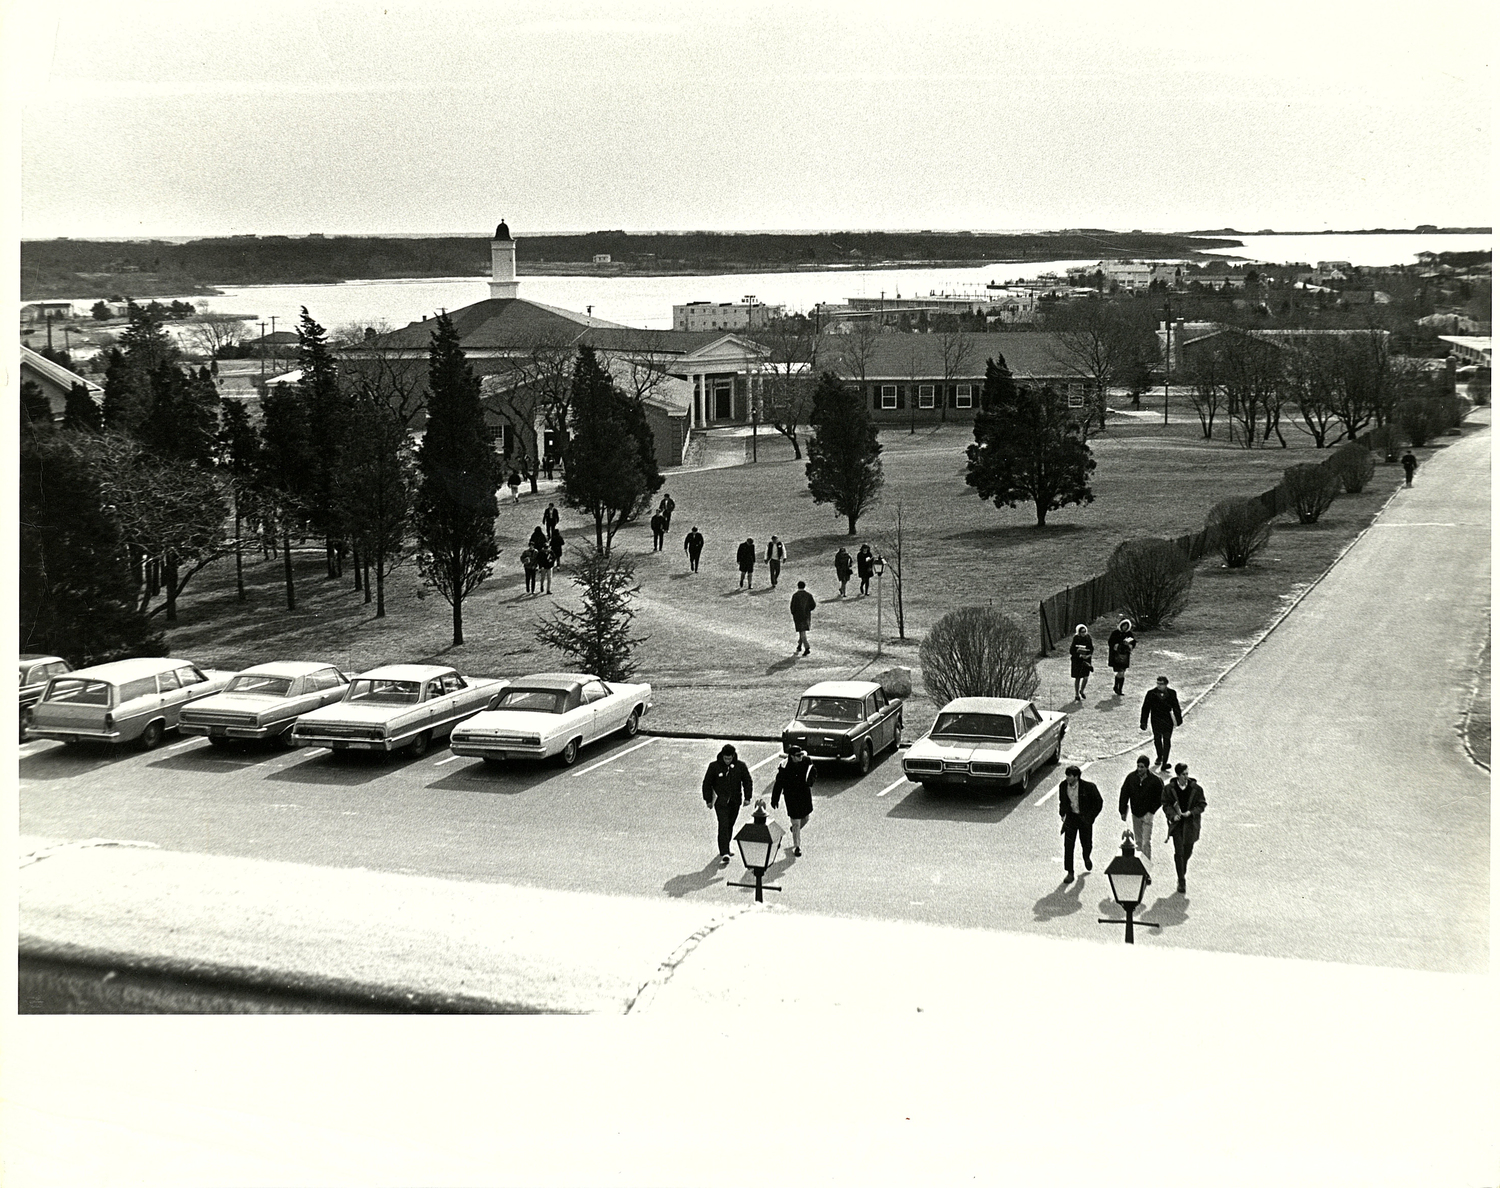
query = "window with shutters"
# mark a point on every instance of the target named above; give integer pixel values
(887, 395)
(925, 397)
(965, 397)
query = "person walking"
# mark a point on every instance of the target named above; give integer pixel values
(514, 483)
(1121, 644)
(658, 532)
(1079, 802)
(775, 555)
(668, 504)
(1160, 708)
(1183, 802)
(692, 545)
(538, 539)
(1081, 651)
(551, 516)
(555, 546)
(528, 563)
(1409, 464)
(843, 568)
(544, 568)
(866, 564)
(745, 557)
(794, 780)
(803, 606)
(1140, 794)
(726, 789)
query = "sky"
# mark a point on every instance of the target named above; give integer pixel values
(158, 118)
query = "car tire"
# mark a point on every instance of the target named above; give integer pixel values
(284, 740)
(419, 745)
(493, 761)
(1057, 751)
(25, 722)
(896, 737)
(866, 759)
(569, 754)
(220, 743)
(152, 735)
(633, 723)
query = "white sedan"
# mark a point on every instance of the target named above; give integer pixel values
(400, 706)
(986, 742)
(551, 713)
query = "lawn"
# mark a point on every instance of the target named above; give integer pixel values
(721, 659)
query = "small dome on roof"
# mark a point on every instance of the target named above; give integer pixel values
(502, 231)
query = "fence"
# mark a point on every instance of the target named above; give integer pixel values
(1086, 602)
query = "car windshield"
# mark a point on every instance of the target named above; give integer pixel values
(993, 726)
(538, 701)
(78, 691)
(265, 686)
(830, 709)
(382, 692)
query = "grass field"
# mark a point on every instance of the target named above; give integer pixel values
(721, 659)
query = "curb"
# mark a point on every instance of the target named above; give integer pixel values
(1275, 623)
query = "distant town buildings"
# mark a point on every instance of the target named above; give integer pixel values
(748, 314)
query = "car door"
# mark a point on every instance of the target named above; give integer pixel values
(595, 695)
(327, 685)
(138, 703)
(610, 711)
(195, 684)
(172, 696)
(454, 706)
(433, 712)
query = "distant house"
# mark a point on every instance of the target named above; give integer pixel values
(38, 312)
(601, 258)
(55, 380)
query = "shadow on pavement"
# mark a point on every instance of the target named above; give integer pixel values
(695, 880)
(781, 665)
(63, 762)
(516, 776)
(1066, 900)
(955, 804)
(209, 760)
(346, 769)
(1168, 911)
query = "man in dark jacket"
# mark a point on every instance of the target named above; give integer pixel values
(745, 556)
(1409, 464)
(726, 789)
(843, 568)
(775, 555)
(551, 516)
(1141, 795)
(794, 780)
(658, 532)
(803, 606)
(1160, 708)
(692, 545)
(1079, 803)
(555, 544)
(667, 506)
(1183, 802)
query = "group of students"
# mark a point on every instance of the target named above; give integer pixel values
(543, 552)
(1180, 799)
(728, 785)
(1081, 655)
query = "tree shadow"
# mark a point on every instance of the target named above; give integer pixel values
(1004, 536)
(1066, 900)
(695, 880)
(956, 804)
(781, 665)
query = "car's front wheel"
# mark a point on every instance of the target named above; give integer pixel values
(896, 737)
(633, 723)
(151, 736)
(419, 745)
(866, 759)
(569, 754)
(25, 722)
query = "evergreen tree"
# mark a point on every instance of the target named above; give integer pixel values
(238, 456)
(327, 413)
(455, 505)
(183, 420)
(1027, 446)
(36, 409)
(597, 639)
(81, 413)
(373, 488)
(286, 462)
(843, 455)
(609, 458)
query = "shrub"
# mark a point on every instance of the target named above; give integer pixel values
(1239, 529)
(1151, 578)
(1416, 420)
(1354, 466)
(978, 652)
(1384, 441)
(1310, 490)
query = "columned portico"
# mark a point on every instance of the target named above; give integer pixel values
(722, 375)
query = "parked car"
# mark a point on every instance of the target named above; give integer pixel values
(263, 702)
(551, 713)
(395, 707)
(991, 742)
(845, 721)
(124, 701)
(36, 671)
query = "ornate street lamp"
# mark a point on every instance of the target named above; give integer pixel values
(879, 605)
(1128, 880)
(759, 842)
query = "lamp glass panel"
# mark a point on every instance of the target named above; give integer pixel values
(1127, 886)
(755, 852)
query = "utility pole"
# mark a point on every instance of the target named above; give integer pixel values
(1166, 386)
(262, 352)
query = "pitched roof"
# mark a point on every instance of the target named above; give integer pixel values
(56, 372)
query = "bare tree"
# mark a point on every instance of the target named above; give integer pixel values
(856, 349)
(1312, 384)
(1152, 578)
(958, 354)
(1203, 376)
(214, 334)
(896, 562)
(1090, 341)
(787, 376)
(978, 652)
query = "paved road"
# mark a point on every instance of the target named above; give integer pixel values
(1345, 822)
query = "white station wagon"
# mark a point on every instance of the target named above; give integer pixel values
(123, 701)
(395, 707)
(552, 713)
(986, 742)
(263, 702)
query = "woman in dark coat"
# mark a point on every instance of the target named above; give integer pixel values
(1121, 644)
(843, 568)
(866, 562)
(1082, 652)
(794, 780)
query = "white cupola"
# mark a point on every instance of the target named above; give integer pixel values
(503, 281)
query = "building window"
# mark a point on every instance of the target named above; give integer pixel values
(1075, 395)
(925, 397)
(887, 395)
(965, 397)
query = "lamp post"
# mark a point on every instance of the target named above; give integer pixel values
(879, 605)
(759, 842)
(1128, 880)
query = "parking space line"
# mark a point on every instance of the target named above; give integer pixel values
(181, 742)
(616, 755)
(450, 759)
(1051, 792)
(771, 758)
(892, 787)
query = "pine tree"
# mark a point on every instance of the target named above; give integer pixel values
(843, 455)
(327, 413)
(239, 456)
(609, 458)
(373, 488)
(1027, 446)
(597, 639)
(455, 506)
(286, 462)
(81, 413)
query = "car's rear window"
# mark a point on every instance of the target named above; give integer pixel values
(78, 691)
(1000, 727)
(830, 709)
(266, 686)
(538, 701)
(382, 692)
